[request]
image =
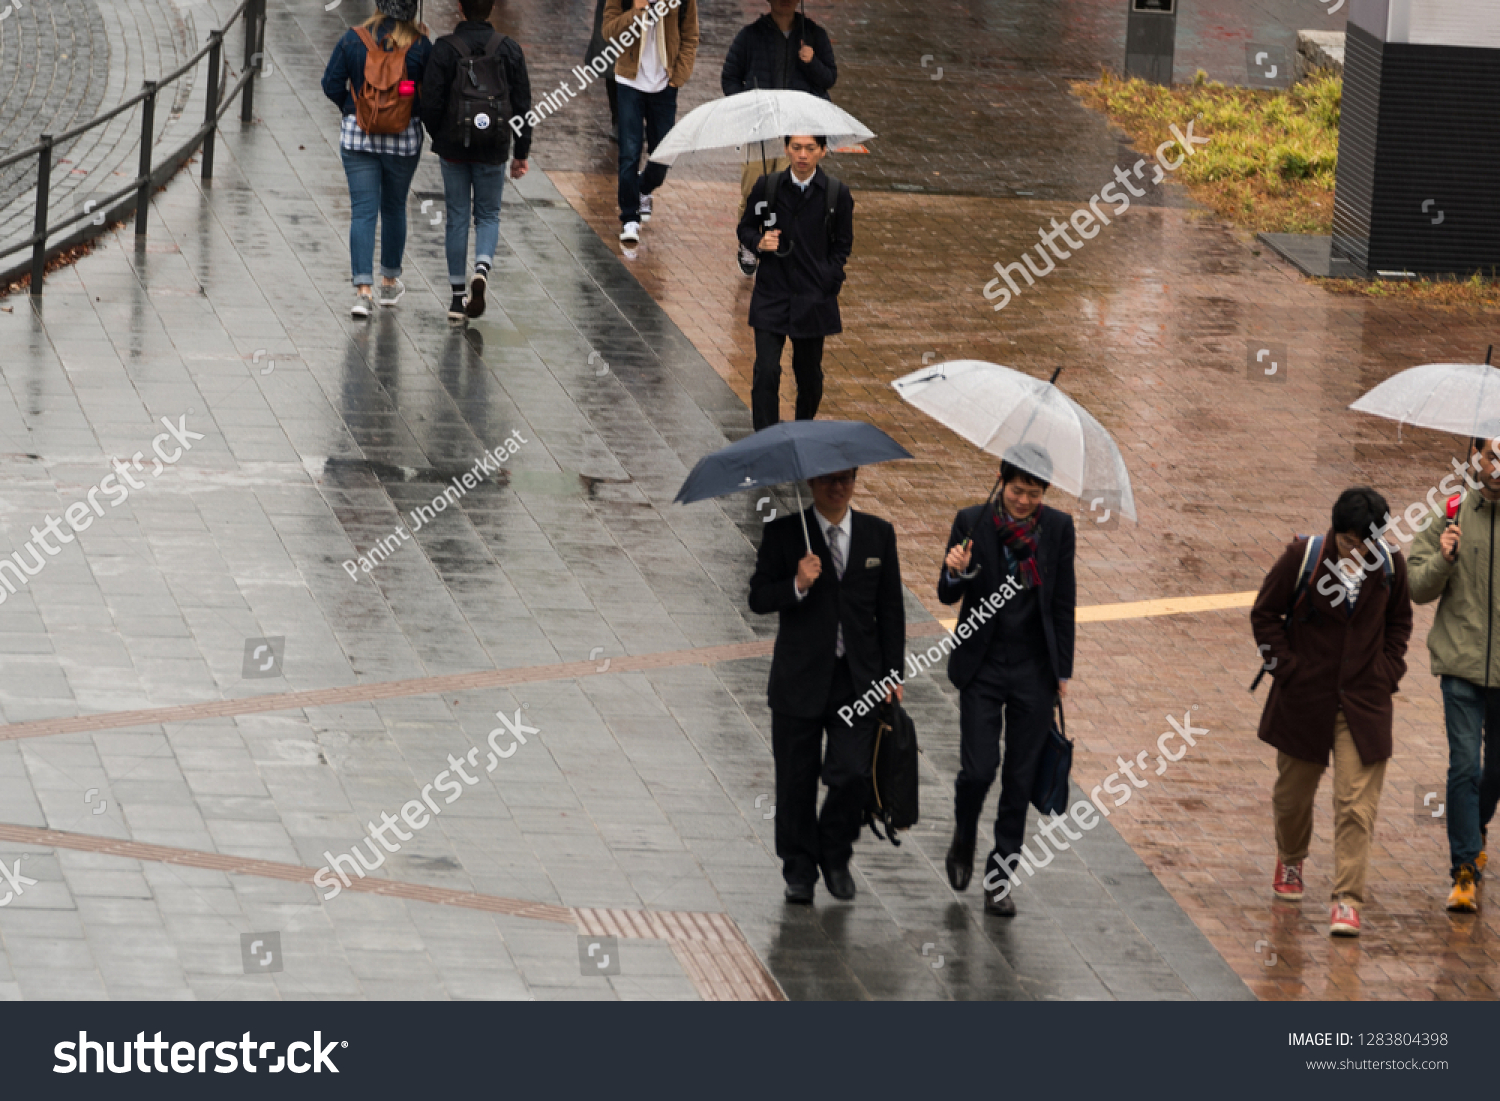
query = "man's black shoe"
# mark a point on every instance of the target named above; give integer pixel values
(999, 907)
(960, 864)
(839, 882)
(800, 894)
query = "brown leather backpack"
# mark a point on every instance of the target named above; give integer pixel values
(380, 108)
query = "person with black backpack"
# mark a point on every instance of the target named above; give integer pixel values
(801, 222)
(1332, 623)
(475, 83)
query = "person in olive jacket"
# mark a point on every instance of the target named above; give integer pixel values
(1336, 661)
(1454, 564)
(801, 272)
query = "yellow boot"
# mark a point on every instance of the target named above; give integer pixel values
(1462, 899)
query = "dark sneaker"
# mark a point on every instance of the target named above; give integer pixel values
(748, 261)
(645, 209)
(474, 305)
(456, 309)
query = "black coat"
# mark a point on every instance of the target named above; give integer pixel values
(442, 68)
(762, 57)
(1056, 543)
(797, 295)
(866, 600)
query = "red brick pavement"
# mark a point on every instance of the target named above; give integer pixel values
(1152, 320)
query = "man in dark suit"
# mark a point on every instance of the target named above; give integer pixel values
(796, 295)
(842, 630)
(1015, 663)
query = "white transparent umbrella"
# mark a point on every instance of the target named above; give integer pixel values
(1463, 398)
(1028, 422)
(736, 129)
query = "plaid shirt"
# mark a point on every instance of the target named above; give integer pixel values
(408, 143)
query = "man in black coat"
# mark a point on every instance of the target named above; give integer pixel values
(801, 273)
(1014, 663)
(842, 630)
(781, 49)
(474, 181)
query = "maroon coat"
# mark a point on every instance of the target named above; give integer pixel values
(1327, 658)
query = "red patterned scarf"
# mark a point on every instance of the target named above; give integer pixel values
(1019, 537)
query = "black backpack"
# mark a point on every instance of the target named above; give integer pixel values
(477, 119)
(834, 189)
(893, 774)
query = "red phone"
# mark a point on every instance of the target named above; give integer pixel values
(406, 88)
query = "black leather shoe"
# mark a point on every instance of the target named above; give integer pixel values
(799, 894)
(839, 882)
(960, 862)
(999, 907)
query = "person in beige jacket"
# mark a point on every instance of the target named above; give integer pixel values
(657, 43)
(1453, 562)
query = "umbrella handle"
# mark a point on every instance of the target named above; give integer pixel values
(978, 519)
(800, 512)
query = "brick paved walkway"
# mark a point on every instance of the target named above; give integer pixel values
(1152, 321)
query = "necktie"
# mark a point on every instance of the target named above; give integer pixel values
(835, 549)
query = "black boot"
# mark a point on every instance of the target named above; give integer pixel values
(960, 861)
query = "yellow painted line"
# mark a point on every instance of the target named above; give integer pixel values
(1144, 609)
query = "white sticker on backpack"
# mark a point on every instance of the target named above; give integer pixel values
(481, 122)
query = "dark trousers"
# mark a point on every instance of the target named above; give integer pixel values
(805, 839)
(765, 386)
(1019, 697)
(651, 112)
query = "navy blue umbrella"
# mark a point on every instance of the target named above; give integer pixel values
(788, 452)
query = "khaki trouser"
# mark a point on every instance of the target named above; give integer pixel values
(1356, 797)
(752, 172)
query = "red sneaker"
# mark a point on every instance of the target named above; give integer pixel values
(1343, 920)
(1288, 882)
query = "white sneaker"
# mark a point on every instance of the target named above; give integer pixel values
(631, 234)
(361, 307)
(390, 295)
(645, 208)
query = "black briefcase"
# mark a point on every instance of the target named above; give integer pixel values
(1049, 791)
(893, 774)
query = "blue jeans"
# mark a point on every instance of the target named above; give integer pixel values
(1472, 714)
(378, 183)
(487, 183)
(655, 112)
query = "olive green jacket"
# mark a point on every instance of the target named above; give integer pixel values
(1465, 637)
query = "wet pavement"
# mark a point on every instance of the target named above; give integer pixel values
(302, 703)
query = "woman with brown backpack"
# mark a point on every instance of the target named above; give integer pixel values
(373, 77)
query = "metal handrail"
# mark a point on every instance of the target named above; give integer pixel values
(253, 15)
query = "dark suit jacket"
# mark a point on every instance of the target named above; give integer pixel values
(1056, 542)
(867, 601)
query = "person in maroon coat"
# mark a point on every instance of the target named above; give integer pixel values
(1335, 660)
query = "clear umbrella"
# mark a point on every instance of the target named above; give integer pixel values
(1463, 398)
(734, 129)
(1028, 422)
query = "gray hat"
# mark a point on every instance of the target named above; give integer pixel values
(404, 10)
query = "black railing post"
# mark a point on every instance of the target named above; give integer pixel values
(255, 22)
(148, 131)
(43, 185)
(211, 108)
